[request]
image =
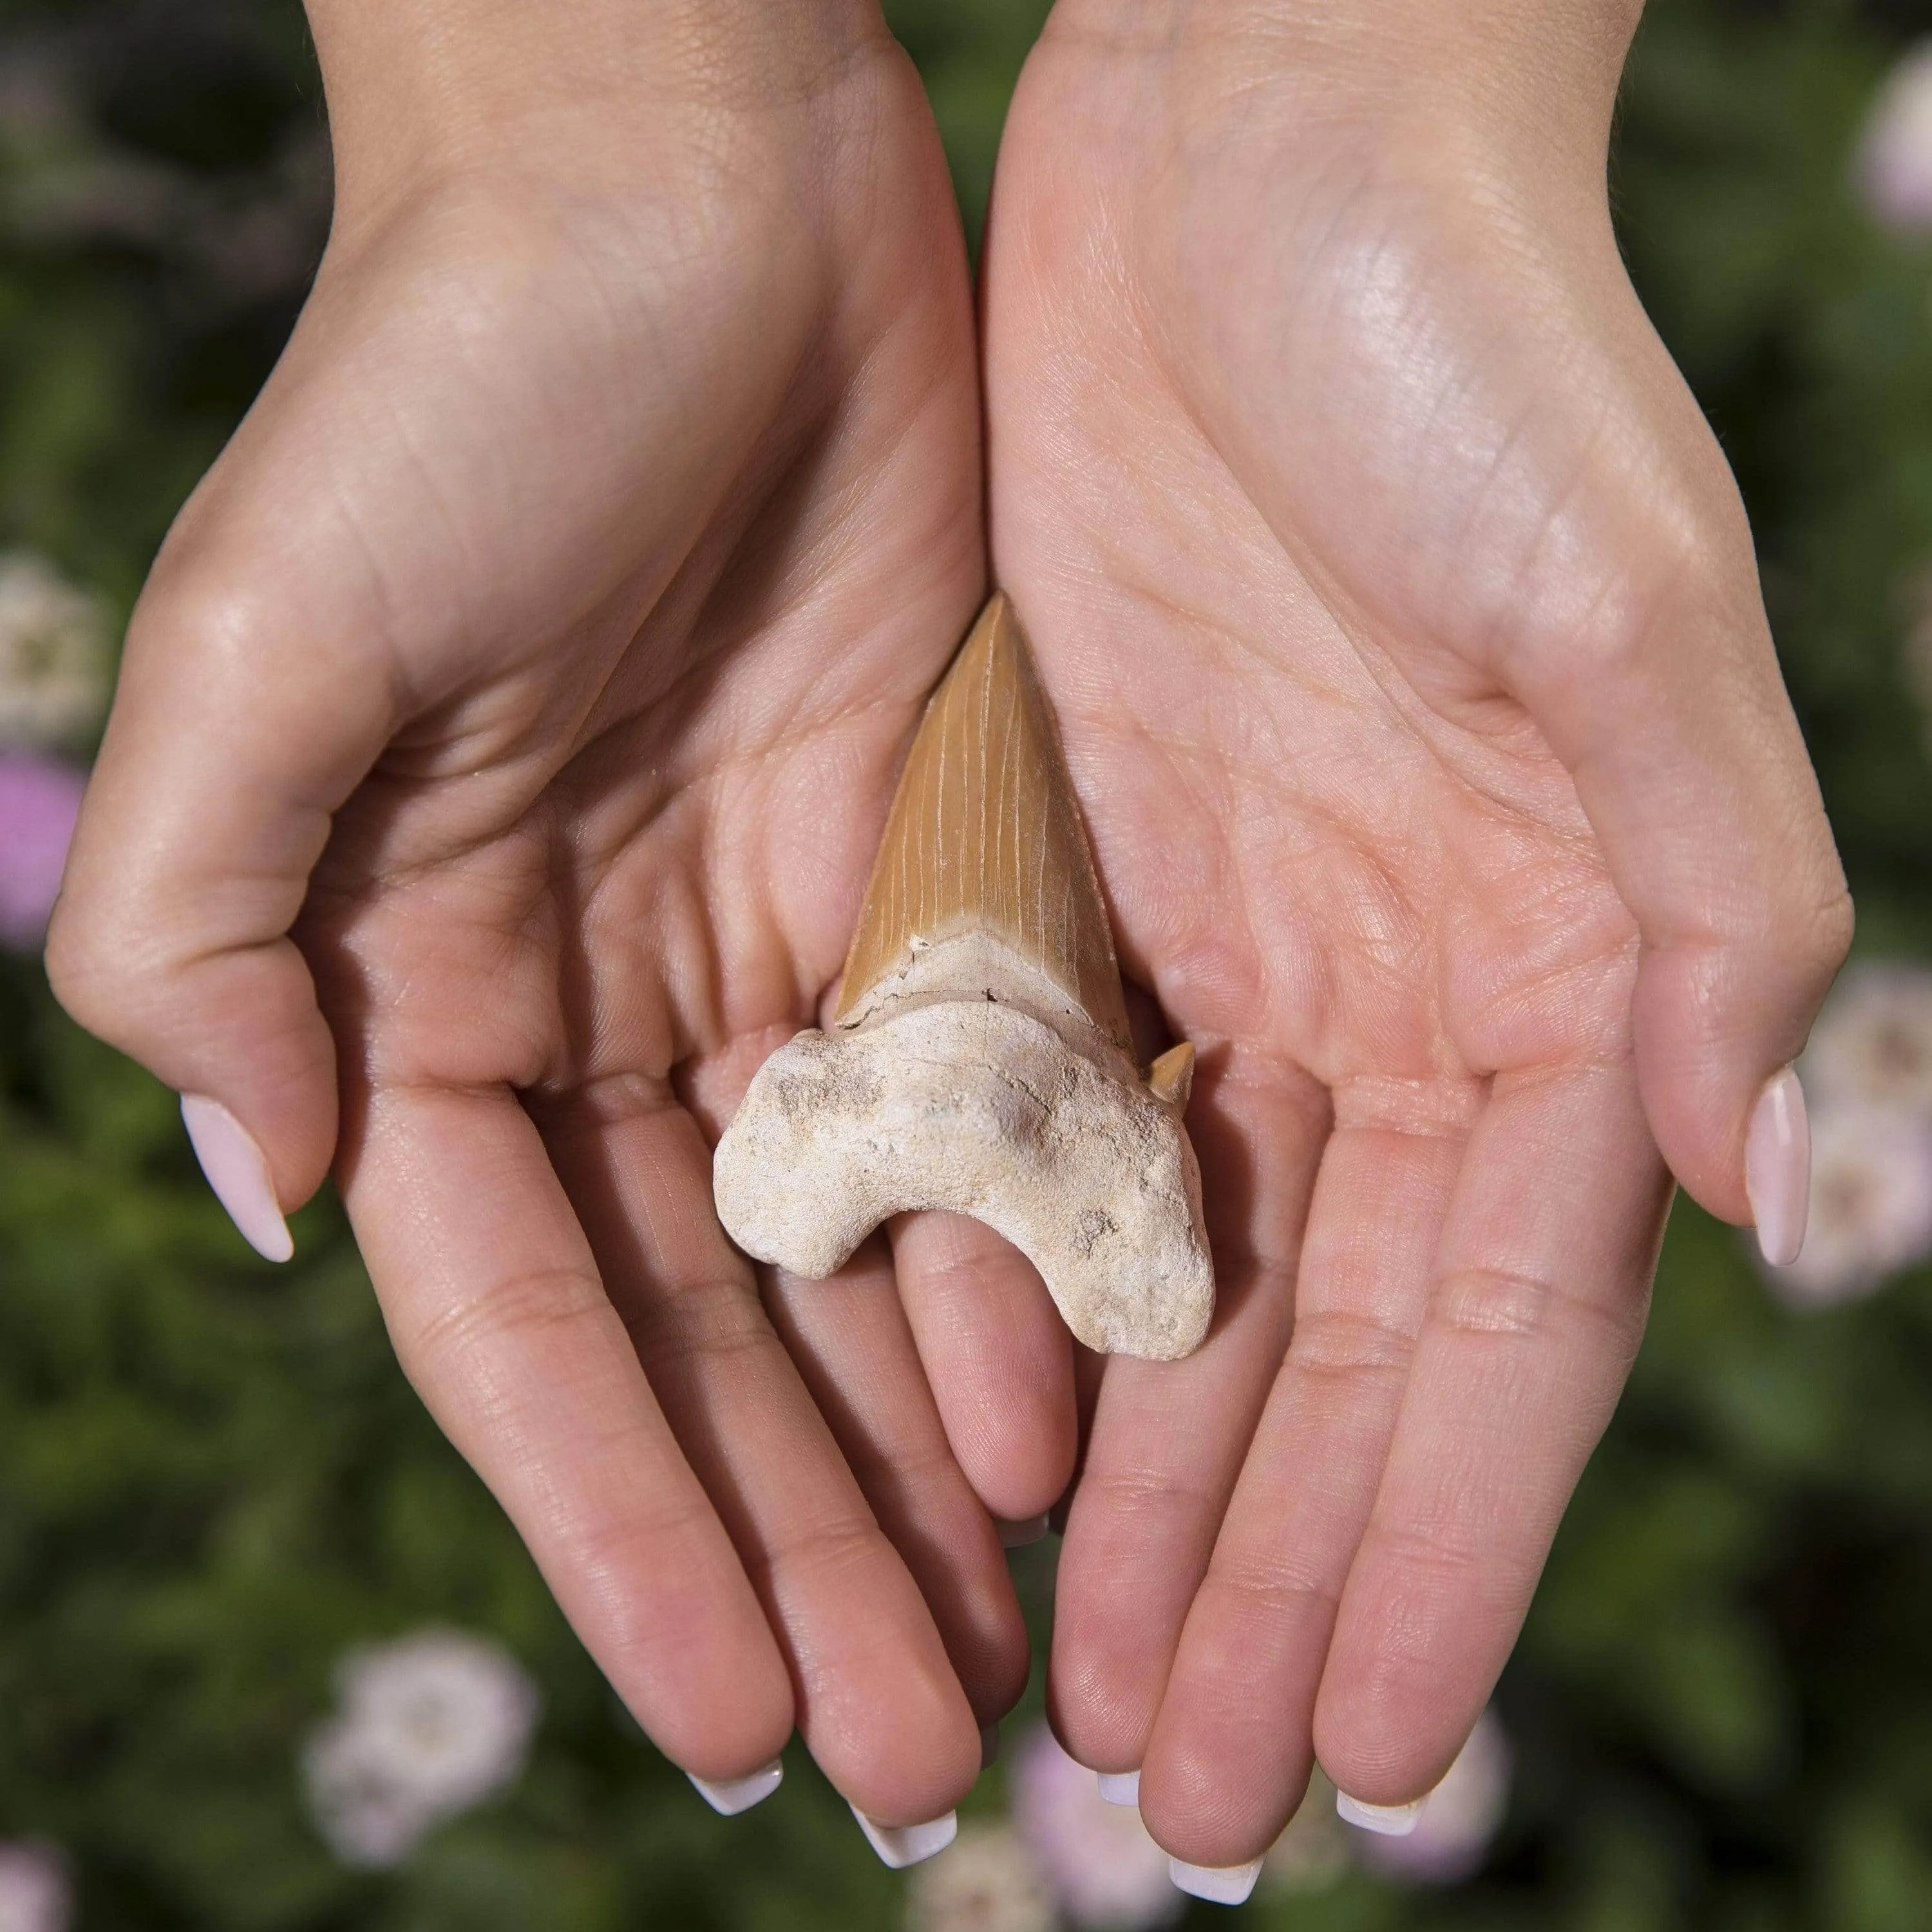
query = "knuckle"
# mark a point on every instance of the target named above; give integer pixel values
(1267, 1588)
(518, 1313)
(102, 982)
(1140, 1493)
(1824, 937)
(1338, 1344)
(716, 1326)
(197, 600)
(1494, 1305)
(1435, 1561)
(72, 962)
(819, 1557)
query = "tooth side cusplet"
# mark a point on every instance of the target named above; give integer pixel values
(981, 1062)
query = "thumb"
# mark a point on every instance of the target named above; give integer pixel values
(1669, 711)
(232, 741)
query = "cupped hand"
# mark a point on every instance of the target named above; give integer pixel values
(1403, 621)
(502, 742)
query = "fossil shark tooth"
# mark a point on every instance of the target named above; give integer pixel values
(981, 1060)
(985, 837)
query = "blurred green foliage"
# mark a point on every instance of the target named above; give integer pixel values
(213, 1478)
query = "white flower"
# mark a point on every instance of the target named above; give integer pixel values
(1452, 1837)
(1102, 1867)
(1871, 1203)
(53, 655)
(426, 1727)
(35, 1895)
(987, 1880)
(1894, 166)
(1314, 1851)
(1873, 1042)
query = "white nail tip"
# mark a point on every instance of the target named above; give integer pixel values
(728, 1796)
(1120, 1787)
(1220, 1885)
(1392, 1821)
(899, 1846)
(1018, 1535)
(238, 1170)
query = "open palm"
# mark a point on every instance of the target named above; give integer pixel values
(541, 655)
(1402, 624)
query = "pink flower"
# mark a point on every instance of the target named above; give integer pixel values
(1452, 1837)
(1894, 167)
(39, 799)
(1101, 1865)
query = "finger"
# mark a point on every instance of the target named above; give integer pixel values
(849, 1337)
(209, 807)
(878, 1700)
(1541, 1294)
(997, 1357)
(1167, 1438)
(1666, 705)
(1231, 1751)
(500, 1321)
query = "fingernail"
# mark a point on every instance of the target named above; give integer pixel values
(238, 1171)
(902, 1845)
(1777, 1168)
(1392, 1821)
(1220, 1885)
(728, 1796)
(989, 1744)
(1017, 1535)
(1120, 1787)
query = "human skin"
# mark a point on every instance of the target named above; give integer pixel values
(506, 729)
(502, 741)
(1403, 624)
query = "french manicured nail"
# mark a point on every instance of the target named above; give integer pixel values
(1220, 1885)
(989, 1744)
(1120, 1787)
(1392, 1821)
(1017, 1535)
(902, 1845)
(238, 1170)
(728, 1796)
(1777, 1168)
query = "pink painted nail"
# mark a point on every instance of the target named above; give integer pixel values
(238, 1171)
(1777, 1168)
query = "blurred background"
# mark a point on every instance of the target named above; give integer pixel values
(271, 1660)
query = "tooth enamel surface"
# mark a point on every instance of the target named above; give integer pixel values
(984, 836)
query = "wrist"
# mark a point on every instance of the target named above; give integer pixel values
(1527, 74)
(425, 88)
